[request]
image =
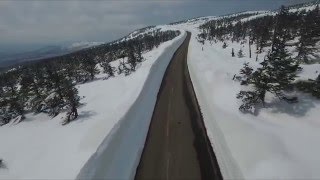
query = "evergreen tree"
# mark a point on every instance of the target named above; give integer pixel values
(27, 84)
(316, 87)
(54, 80)
(264, 34)
(139, 56)
(12, 101)
(72, 100)
(240, 54)
(246, 73)
(108, 69)
(122, 68)
(132, 59)
(89, 68)
(278, 65)
(277, 72)
(224, 45)
(251, 39)
(308, 35)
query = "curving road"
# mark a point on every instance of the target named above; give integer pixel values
(177, 146)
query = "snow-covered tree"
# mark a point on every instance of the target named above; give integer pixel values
(132, 61)
(240, 54)
(309, 35)
(246, 73)
(277, 72)
(224, 45)
(108, 69)
(72, 101)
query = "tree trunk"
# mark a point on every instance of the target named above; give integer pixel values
(262, 96)
(75, 112)
(249, 48)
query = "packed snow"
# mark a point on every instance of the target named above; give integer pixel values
(41, 148)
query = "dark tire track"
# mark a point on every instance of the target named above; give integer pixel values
(177, 145)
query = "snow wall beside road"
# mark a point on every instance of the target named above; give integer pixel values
(119, 154)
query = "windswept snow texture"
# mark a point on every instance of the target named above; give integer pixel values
(281, 142)
(41, 148)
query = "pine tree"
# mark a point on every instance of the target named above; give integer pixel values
(72, 100)
(27, 84)
(139, 56)
(246, 73)
(224, 45)
(54, 80)
(277, 72)
(14, 102)
(108, 69)
(308, 35)
(250, 42)
(132, 61)
(88, 66)
(278, 65)
(122, 68)
(264, 32)
(316, 87)
(240, 54)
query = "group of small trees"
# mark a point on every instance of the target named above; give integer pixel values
(130, 51)
(49, 85)
(278, 70)
(309, 34)
(36, 89)
(259, 31)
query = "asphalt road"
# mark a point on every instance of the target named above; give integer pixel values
(177, 146)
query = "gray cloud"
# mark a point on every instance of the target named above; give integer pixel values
(23, 23)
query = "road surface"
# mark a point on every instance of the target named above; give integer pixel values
(177, 146)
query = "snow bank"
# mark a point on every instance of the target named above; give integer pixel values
(281, 142)
(41, 148)
(119, 154)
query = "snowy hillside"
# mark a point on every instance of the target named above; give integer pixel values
(59, 152)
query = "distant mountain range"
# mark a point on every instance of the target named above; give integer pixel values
(42, 53)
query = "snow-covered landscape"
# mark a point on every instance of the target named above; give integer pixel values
(279, 141)
(105, 104)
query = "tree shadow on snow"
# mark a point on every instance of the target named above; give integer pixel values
(2, 165)
(299, 109)
(85, 115)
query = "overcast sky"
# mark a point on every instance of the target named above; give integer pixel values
(34, 23)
